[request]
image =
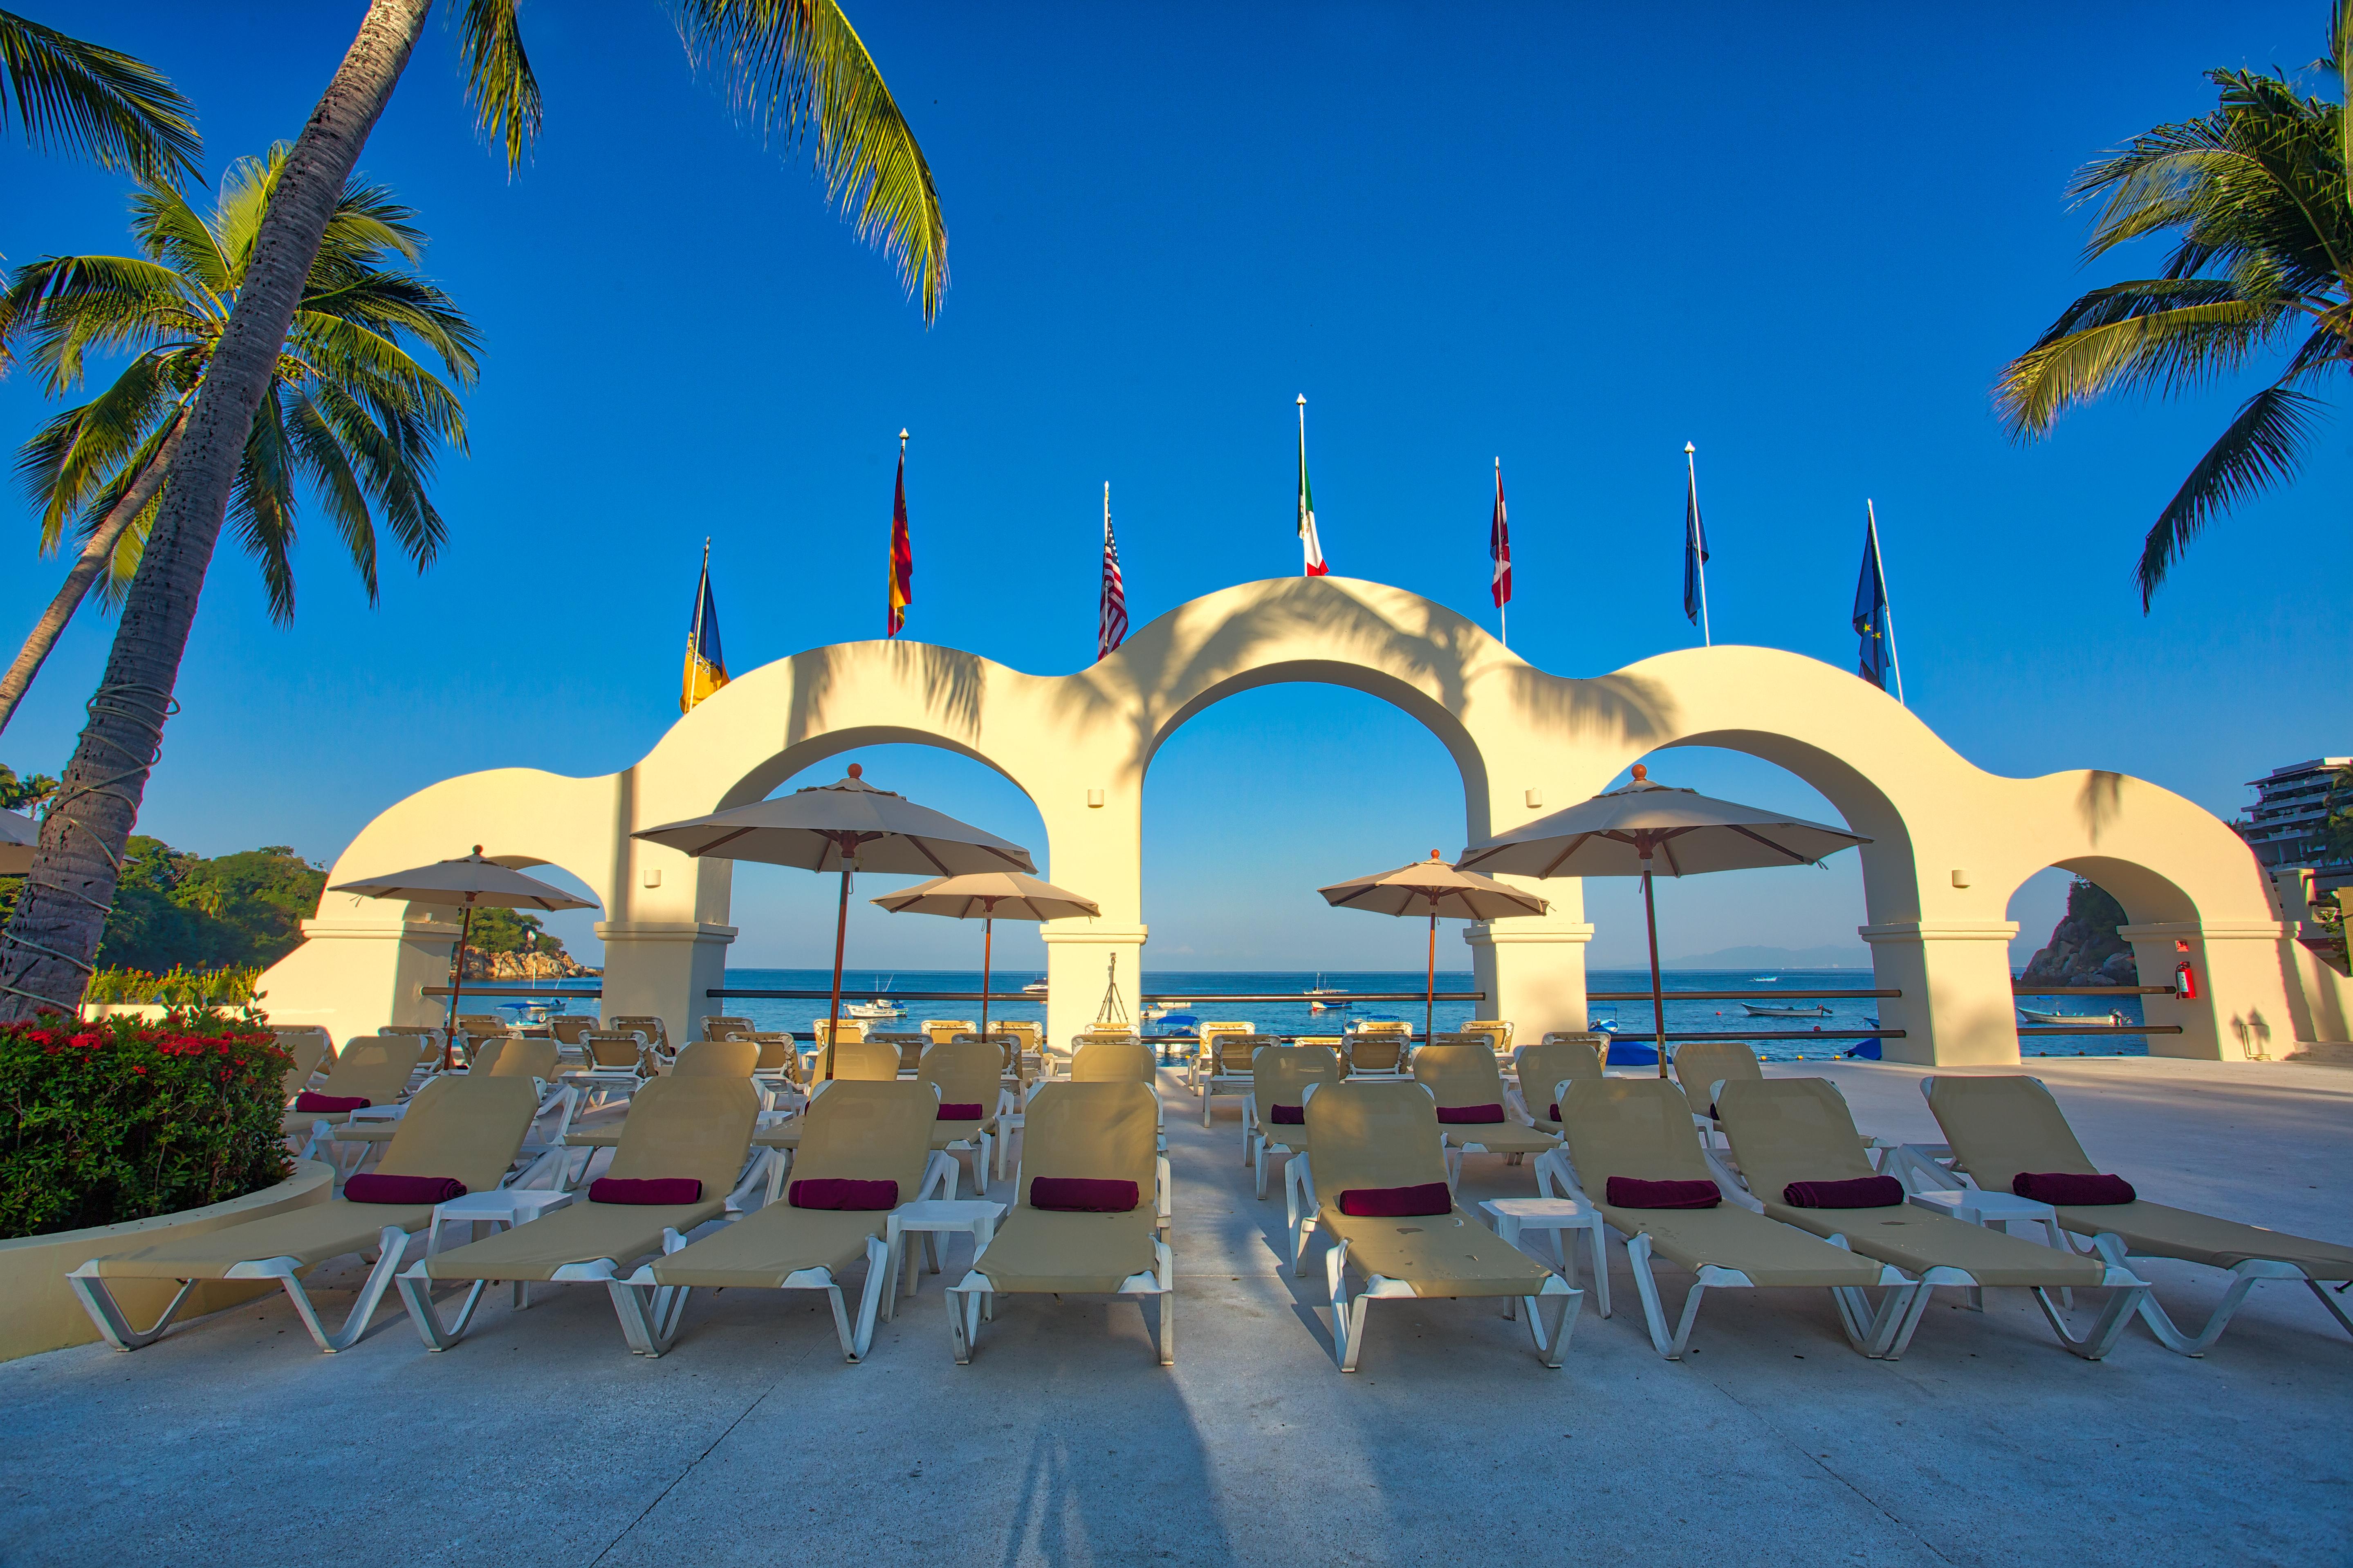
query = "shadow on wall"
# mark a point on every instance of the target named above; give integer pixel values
(2101, 801)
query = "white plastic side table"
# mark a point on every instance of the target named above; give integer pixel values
(938, 1217)
(1997, 1211)
(504, 1205)
(1512, 1216)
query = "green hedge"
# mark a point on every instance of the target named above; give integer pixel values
(121, 1120)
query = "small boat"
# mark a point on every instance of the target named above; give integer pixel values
(2035, 1015)
(879, 1008)
(1764, 980)
(1817, 1010)
(1151, 1013)
(1035, 988)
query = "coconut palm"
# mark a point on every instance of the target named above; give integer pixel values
(2256, 199)
(349, 412)
(795, 68)
(98, 102)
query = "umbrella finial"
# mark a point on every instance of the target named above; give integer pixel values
(478, 850)
(1435, 856)
(855, 771)
(1642, 773)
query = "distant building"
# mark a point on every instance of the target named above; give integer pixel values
(2290, 805)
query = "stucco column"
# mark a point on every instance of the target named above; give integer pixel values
(664, 968)
(352, 976)
(1958, 1008)
(2241, 1011)
(1533, 971)
(1077, 955)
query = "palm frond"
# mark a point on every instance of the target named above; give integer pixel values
(322, 455)
(796, 67)
(2136, 339)
(262, 505)
(63, 306)
(72, 96)
(86, 449)
(2262, 448)
(393, 458)
(172, 234)
(499, 82)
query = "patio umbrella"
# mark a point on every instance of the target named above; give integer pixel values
(845, 827)
(1622, 832)
(469, 884)
(988, 897)
(17, 837)
(1433, 888)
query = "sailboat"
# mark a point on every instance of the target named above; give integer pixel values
(1320, 990)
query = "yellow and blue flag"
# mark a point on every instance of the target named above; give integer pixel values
(706, 667)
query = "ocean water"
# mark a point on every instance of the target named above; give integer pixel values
(1632, 1019)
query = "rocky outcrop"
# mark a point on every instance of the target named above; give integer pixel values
(541, 965)
(2085, 948)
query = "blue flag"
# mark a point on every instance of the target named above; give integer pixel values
(1695, 554)
(1878, 651)
(706, 667)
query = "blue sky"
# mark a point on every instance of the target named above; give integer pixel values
(1804, 239)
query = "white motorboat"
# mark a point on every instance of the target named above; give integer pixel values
(1816, 1011)
(2036, 1015)
(1035, 988)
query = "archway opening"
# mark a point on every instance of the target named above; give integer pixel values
(1776, 933)
(1261, 797)
(785, 916)
(2070, 966)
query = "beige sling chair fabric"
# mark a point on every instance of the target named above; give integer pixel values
(2000, 1126)
(700, 1058)
(467, 1129)
(1114, 1060)
(1543, 1068)
(1104, 1131)
(1642, 1128)
(1702, 1063)
(679, 1127)
(859, 1130)
(1371, 1135)
(373, 1068)
(1464, 1076)
(1280, 1076)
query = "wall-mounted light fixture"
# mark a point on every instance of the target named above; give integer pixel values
(1095, 799)
(1535, 798)
(652, 876)
(1960, 878)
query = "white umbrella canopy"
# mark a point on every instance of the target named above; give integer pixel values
(17, 836)
(468, 883)
(1435, 889)
(989, 897)
(845, 827)
(848, 825)
(1647, 827)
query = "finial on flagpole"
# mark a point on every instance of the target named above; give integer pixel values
(1303, 400)
(902, 436)
(1688, 448)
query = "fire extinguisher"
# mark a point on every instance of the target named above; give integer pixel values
(2185, 982)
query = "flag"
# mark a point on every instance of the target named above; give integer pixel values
(1311, 548)
(1499, 545)
(1870, 623)
(902, 550)
(706, 667)
(1694, 552)
(1112, 630)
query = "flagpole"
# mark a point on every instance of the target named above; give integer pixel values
(1888, 609)
(1690, 466)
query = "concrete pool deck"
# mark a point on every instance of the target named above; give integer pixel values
(540, 1439)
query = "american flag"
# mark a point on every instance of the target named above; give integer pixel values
(1113, 629)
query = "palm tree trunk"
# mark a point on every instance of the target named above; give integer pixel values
(45, 956)
(96, 552)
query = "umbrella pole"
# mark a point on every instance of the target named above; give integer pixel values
(841, 937)
(458, 982)
(1658, 1001)
(1430, 1004)
(987, 944)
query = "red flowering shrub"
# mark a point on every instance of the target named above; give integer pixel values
(120, 1120)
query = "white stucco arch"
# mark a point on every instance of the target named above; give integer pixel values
(1950, 840)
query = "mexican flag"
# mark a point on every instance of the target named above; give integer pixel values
(1311, 547)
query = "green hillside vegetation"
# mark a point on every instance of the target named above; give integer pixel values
(175, 909)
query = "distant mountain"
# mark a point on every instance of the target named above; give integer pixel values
(1855, 957)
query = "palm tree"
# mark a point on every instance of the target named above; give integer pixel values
(348, 409)
(795, 67)
(2258, 198)
(118, 112)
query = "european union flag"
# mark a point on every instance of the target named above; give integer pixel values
(1877, 656)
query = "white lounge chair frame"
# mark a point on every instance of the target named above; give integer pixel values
(974, 1298)
(391, 1243)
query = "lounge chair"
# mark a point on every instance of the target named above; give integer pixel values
(690, 1129)
(509, 1057)
(939, 1031)
(854, 1061)
(371, 1068)
(1793, 1135)
(725, 1026)
(1122, 1058)
(1541, 1069)
(858, 1131)
(1999, 1128)
(1701, 1064)
(1497, 1030)
(1205, 1047)
(1640, 1129)
(656, 1032)
(1369, 1144)
(1092, 1145)
(1469, 1091)
(467, 1129)
(909, 1045)
(1273, 1121)
(1375, 1052)
(826, 1032)
(1228, 1068)
(618, 1063)
(1599, 1041)
(312, 1051)
(700, 1058)
(968, 1074)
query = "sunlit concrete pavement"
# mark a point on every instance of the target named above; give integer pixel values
(541, 1440)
